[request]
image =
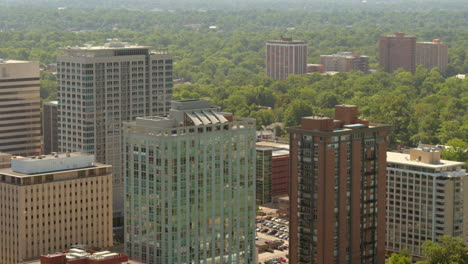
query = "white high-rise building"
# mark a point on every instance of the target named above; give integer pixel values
(190, 187)
(98, 89)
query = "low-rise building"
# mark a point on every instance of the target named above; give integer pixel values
(49, 203)
(81, 256)
(345, 62)
(425, 199)
(272, 171)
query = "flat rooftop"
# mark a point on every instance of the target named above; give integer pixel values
(402, 158)
(272, 144)
(108, 46)
(3, 61)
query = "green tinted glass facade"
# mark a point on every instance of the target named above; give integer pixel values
(190, 193)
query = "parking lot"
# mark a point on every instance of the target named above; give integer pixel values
(273, 230)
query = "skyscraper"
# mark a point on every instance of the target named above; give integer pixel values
(397, 51)
(20, 118)
(426, 198)
(345, 62)
(190, 186)
(285, 57)
(49, 203)
(49, 126)
(337, 191)
(432, 54)
(98, 89)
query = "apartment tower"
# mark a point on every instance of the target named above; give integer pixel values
(345, 62)
(397, 51)
(101, 87)
(49, 127)
(337, 191)
(49, 203)
(285, 57)
(190, 186)
(20, 120)
(425, 199)
(432, 54)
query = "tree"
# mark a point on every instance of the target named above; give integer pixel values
(457, 150)
(449, 250)
(400, 258)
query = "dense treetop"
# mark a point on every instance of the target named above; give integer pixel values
(227, 64)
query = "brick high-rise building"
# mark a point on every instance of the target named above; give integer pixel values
(49, 203)
(345, 62)
(337, 190)
(397, 51)
(20, 118)
(101, 87)
(190, 186)
(432, 54)
(49, 127)
(426, 197)
(285, 57)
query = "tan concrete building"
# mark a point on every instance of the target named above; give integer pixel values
(49, 203)
(425, 199)
(20, 121)
(99, 87)
(432, 54)
(5, 160)
(345, 62)
(49, 127)
(284, 57)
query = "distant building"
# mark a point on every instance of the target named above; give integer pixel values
(48, 203)
(272, 171)
(432, 54)
(49, 127)
(345, 62)
(5, 160)
(81, 256)
(426, 198)
(397, 51)
(20, 115)
(285, 57)
(99, 87)
(190, 186)
(337, 189)
(315, 68)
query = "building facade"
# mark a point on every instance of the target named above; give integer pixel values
(397, 51)
(101, 87)
(345, 62)
(20, 120)
(49, 127)
(49, 203)
(432, 54)
(425, 199)
(272, 171)
(190, 186)
(337, 191)
(285, 57)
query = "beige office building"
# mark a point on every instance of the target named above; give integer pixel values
(99, 87)
(20, 121)
(49, 127)
(425, 199)
(432, 54)
(49, 203)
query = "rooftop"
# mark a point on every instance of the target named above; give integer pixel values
(51, 103)
(82, 256)
(3, 61)
(108, 46)
(44, 164)
(402, 158)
